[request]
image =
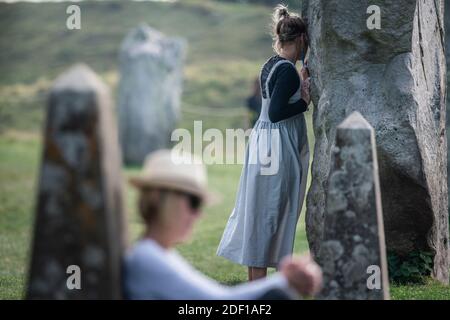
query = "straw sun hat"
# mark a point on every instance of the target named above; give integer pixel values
(174, 171)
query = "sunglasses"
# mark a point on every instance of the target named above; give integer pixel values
(195, 202)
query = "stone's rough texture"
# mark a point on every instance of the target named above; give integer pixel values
(447, 51)
(353, 229)
(79, 214)
(149, 91)
(395, 77)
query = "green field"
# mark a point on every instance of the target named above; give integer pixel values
(227, 45)
(19, 161)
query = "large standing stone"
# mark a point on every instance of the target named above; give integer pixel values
(79, 205)
(395, 77)
(149, 91)
(353, 252)
(447, 51)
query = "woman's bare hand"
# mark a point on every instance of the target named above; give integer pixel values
(304, 73)
(303, 274)
(305, 90)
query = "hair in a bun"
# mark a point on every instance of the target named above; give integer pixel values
(280, 12)
(286, 26)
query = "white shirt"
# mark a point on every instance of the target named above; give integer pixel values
(153, 272)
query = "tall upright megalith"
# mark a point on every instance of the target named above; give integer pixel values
(447, 56)
(395, 76)
(151, 72)
(79, 235)
(353, 250)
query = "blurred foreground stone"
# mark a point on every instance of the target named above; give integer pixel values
(353, 252)
(79, 214)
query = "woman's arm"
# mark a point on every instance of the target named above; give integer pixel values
(150, 276)
(271, 287)
(286, 84)
(194, 285)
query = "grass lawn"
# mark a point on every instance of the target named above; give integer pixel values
(19, 162)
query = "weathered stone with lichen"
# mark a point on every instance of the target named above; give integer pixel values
(447, 53)
(353, 228)
(395, 77)
(79, 202)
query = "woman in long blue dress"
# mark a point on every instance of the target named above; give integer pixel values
(261, 228)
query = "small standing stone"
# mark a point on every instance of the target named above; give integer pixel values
(353, 252)
(78, 228)
(151, 66)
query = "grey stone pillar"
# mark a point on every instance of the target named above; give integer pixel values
(395, 77)
(150, 87)
(353, 251)
(447, 56)
(79, 213)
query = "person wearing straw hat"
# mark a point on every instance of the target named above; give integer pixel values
(172, 189)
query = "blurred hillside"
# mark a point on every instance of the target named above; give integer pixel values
(228, 42)
(35, 42)
(290, 3)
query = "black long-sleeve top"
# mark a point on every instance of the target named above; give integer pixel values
(284, 82)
